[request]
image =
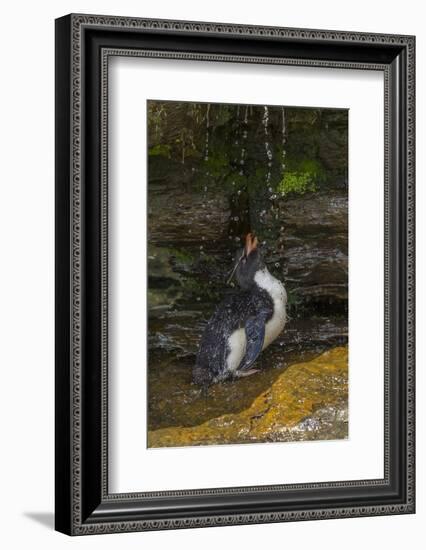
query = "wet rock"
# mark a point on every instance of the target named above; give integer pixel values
(314, 244)
(202, 199)
(305, 401)
(181, 332)
(309, 253)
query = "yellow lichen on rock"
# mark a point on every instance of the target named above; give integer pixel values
(306, 401)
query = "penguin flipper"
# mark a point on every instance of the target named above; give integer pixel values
(255, 336)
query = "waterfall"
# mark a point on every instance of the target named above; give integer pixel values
(265, 123)
(283, 165)
(283, 140)
(236, 142)
(206, 153)
(243, 142)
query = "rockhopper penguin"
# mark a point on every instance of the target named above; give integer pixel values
(245, 323)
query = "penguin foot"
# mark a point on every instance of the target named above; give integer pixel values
(247, 372)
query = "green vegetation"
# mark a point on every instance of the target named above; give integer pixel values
(160, 150)
(217, 165)
(303, 177)
(296, 182)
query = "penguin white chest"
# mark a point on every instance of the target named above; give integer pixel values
(237, 342)
(278, 294)
(237, 348)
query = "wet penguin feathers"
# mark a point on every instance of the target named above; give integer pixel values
(244, 323)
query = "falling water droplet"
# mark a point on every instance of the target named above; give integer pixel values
(243, 141)
(246, 115)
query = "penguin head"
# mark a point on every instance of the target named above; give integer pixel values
(247, 262)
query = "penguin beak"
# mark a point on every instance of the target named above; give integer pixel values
(251, 243)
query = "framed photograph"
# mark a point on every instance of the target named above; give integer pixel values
(234, 274)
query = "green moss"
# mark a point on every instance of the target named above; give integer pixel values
(296, 182)
(302, 176)
(312, 167)
(160, 150)
(181, 255)
(235, 181)
(217, 164)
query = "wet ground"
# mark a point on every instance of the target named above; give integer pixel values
(297, 401)
(303, 382)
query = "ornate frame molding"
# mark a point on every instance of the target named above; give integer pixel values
(72, 46)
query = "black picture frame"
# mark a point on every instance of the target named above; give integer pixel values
(83, 45)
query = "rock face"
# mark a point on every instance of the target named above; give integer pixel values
(315, 246)
(305, 401)
(211, 181)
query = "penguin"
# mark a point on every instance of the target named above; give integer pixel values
(244, 323)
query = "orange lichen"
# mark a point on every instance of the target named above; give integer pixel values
(308, 400)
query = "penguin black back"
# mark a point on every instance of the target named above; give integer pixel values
(244, 322)
(231, 314)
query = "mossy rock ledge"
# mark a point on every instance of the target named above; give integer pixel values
(307, 401)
